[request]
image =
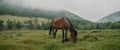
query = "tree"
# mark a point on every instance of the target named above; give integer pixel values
(114, 26)
(10, 24)
(30, 25)
(38, 26)
(36, 21)
(1, 25)
(45, 26)
(18, 25)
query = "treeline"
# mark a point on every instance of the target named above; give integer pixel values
(8, 25)
(87, 25)
(11, 25)
(109, 25)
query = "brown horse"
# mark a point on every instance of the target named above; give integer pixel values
(64, 24)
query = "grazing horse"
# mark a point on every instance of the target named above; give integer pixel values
(64, 24)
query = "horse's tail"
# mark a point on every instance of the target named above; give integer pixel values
(50, 29)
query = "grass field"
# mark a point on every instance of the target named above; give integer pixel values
(107, 39)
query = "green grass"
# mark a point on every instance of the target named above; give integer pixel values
(107, 39)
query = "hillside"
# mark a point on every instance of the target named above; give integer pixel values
(7, 8)
(19, 18)
(26, 12)
(21, 11)
(114, 17)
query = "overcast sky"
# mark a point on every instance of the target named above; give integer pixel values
(88, 9)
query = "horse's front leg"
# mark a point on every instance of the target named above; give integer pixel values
(54, 34)
(62, 35)
(50, 31)
(66, 35)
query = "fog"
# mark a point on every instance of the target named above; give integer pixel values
(91, 10)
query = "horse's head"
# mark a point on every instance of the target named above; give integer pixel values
(74, 36)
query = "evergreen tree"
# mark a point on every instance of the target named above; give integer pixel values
(10, 24)
(38, 26)
(42, 25)
(1, 25)
(18, 25)
(36, 21)
(115, 26)
(30, 25)
(45, 26)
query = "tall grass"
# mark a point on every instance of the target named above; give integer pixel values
(107, 39)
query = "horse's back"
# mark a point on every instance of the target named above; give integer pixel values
(60, 22)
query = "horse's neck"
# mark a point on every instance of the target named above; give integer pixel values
(71, 28)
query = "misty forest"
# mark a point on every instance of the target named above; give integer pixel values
(25, 28)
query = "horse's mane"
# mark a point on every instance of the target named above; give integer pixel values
(69, 21)
(71, 26)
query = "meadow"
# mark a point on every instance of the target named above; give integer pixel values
(104, 39)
